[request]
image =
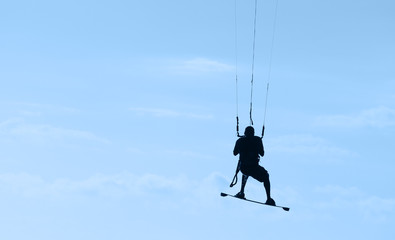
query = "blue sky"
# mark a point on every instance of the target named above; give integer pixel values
(117, 119)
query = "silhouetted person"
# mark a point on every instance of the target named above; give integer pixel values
(250, 148)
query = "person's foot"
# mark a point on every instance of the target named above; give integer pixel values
(271, 202)
(240, 195)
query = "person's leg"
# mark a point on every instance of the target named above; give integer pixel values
(243, 184)
(266, 184)
(263, 176)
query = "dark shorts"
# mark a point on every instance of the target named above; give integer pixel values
(256, 171)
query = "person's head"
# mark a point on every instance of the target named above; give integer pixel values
(249, 131)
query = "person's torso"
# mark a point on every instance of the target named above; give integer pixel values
(249, 148)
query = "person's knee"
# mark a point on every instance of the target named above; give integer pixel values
(265, 178)
(245, 178)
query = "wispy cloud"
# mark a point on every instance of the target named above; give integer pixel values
(118, 185)
(189, 154)
(349, 198)
(374, 117)
(199, 65)
(44, 132)
(192, 195)
(307, 145)
(51, 132)
(154, 192)
(38, 109)
(6, 123)
(169, 113)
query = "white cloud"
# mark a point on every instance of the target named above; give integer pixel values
(30, 109)
(377, 208)
(43, 132)
(193, 195)
(375, 117)
(20, 184)
(163, 113)
(338, 191)
(306, 144)
(51, 132)
(118, 185)
(21, 128)
(5, 124)
(351, 199)
(152, 191)
(189, 154)
(199, 65)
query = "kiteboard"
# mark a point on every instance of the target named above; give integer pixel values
(249, 200)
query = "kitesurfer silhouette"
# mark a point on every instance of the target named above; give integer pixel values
(250, 149)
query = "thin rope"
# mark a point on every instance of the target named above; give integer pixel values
(236, 77)
(264, 117)
(253, 62)
(270, 63)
